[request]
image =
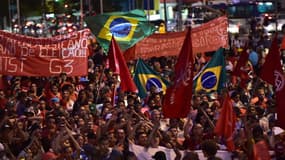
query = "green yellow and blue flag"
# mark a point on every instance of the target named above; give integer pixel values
(145, 78)
(213, 76)
(127, 28)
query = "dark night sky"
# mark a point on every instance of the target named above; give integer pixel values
(28, 7)
(3, 8)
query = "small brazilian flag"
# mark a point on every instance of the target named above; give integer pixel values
(145, 78)
(127, 27)
(213, 75)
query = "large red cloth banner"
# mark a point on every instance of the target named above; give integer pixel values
(211, 36)
(28, 56)
(156, 45)
(207, 37)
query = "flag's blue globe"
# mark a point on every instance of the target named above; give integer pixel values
(209, 80)
(120, 27)
(153, 82)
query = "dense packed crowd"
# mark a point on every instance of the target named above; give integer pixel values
(88, 118)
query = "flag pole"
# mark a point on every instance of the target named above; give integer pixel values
(19, 15)
(276, 16)
(207, 117)
(98, 85)
(90, 8)
(10, 15)
(165, 14)
(148, 10)
(101, 7)
(81, 14)
(179, 18)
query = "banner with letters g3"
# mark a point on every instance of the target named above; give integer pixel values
(21, 55)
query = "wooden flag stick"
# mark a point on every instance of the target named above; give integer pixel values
(208, 118)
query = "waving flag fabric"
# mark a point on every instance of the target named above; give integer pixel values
(177, 101)
(273, 73)
(145, 77)
(213, 76)
(127, 27)
(225, 125)
(119, 66)
(272, 63)
(241, 69)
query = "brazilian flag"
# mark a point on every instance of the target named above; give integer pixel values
(213, 75)
(127, 27)
(145, 78)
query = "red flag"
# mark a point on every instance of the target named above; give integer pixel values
(261, 151)
(226, 123)
(240, 69)
(2, 82)
(272, 73)
(119, 66)
(280, 103)
(272, 63)
(177, 101)
(283, 43)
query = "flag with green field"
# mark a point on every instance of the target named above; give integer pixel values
(127, 27)
(146, 78)
(213, 76)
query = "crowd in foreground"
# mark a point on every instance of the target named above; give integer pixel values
(72, 118)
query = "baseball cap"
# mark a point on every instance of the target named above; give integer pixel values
(55, 100)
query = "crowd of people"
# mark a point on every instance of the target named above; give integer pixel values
(72, 118)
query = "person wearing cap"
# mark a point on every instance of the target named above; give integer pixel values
(54, 104)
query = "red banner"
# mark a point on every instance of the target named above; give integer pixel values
(177, 101)
(28, 56)
(210, 36)
(207, 37)
(168, 44)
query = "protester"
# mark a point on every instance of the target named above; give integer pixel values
(89, 117)
(210, 149)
